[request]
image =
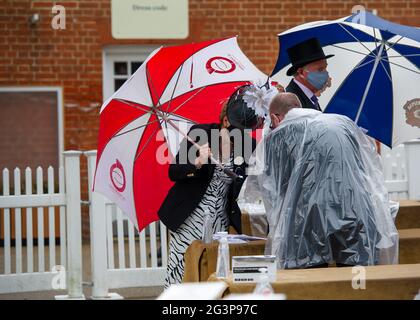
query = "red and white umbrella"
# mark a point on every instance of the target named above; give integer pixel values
(148, 116)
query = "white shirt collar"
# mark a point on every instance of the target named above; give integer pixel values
(308, 92)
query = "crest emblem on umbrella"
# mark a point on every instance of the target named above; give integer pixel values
(412, 112)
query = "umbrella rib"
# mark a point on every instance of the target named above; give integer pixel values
(355, 38)
(131, 104)
(398, 65)
(354, 51)
(167, 138)
(386, 71)
(182, 104)
(202, 48)
(143, 125)
(342, 83)
(176, 84)
(372, 74)
(364, 64)
(147, 142)
(215, 161)
(183, 118)
(390, 47)
(406, 55)
(151, 86)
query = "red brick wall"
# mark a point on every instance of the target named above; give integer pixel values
(34, 142)
(72, 58)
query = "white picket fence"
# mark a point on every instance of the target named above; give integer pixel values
(120, 256)
(395, 171)
(38, 276)
(141, 270)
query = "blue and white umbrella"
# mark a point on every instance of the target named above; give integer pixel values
(375, 73)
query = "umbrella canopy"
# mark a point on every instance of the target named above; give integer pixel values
(144, 122)
(375, 72)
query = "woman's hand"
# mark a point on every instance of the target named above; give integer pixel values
(204, 155)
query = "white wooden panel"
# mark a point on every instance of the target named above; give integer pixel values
(131, 245)
(51, 220)
(26, 282)
(120, 236)
(163, 244)
(110, 237)
(18, 223)
(39, 200)
(397, 185)
(128, 278)
(153, 247)
(143, 250)
(40, 212)
(29, 235)
(7, 256)
(63, 233)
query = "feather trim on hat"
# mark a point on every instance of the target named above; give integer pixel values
(258, 98)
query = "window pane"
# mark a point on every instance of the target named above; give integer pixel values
(120, 68)
(135, 65)
(118, 83)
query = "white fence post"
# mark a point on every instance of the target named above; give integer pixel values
(98, 237)
(74, 226)
(413, 168)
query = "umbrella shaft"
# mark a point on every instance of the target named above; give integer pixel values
(228, 172)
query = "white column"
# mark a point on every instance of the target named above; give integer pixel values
(413, 168)
(98, 236)
(74, 226)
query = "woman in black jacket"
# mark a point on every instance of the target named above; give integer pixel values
(202, 188)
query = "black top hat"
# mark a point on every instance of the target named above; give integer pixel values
(238, 114)
(305, 52)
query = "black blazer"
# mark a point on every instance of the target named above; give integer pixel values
(304, 100)
(191, 184)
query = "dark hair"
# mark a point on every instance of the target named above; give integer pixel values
(238, 113)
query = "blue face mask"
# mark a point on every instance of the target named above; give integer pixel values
(318, 78)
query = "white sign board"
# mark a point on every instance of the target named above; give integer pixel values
(247, 268)
(149, 19)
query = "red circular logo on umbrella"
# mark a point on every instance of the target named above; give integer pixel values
(117, 176)
(220, 65)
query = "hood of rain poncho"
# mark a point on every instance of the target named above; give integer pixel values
(324, 193)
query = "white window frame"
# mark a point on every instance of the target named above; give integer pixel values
(59, 92)
(111, 54)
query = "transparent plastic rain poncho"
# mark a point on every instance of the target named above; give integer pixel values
(324, 193)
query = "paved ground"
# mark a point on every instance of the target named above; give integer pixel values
(128, 293)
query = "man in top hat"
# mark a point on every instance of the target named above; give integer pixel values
(309, 71)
